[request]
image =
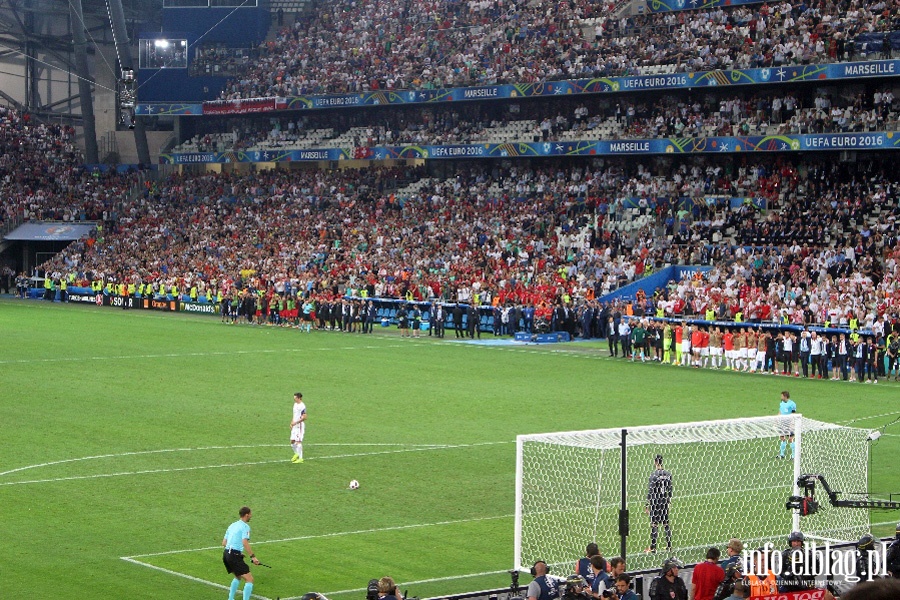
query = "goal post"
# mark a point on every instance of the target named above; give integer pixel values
(727, 482)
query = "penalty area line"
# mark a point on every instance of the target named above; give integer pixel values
(185, 576)
(334, 534)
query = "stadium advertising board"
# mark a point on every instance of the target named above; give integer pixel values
(199, 307)
(768, 75)
(136, 302)
(166, 305)
(83, 298)
(118, 301)
(170, 109)
(883, 140)
(241, 107)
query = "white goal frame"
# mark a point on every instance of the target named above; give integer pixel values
(561, 529)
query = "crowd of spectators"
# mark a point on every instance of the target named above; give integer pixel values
(42, 175)
(537, 234)
(596, 117)
(356, 46)
(522, 235)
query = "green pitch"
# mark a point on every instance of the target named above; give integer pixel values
(130, 440)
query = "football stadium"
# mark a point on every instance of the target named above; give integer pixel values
(469, 300)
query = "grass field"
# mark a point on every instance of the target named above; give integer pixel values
(130, 440)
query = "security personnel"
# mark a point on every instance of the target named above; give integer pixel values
(668, 585)
(710, 314)
(739, 317)
(63, 287)
(893, 555)
(865, 546)
(48, 287)
(576, 588)
(795, 574)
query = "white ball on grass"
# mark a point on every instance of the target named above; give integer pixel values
(354, 485)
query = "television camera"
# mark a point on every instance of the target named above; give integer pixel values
(808, 505)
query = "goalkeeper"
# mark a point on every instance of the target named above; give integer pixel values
(659, 495)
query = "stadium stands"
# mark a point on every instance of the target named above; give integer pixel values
(363, 46)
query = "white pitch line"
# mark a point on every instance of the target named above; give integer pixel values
(186, 576)
(890, 414)
(242, 464)
(200, 448)
(405, 583)
(135, 453)
(330, 535)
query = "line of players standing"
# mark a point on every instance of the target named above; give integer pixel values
(833, 356)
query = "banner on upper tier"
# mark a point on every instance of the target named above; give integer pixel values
(882, 140)
(676, 5)
(764, 75)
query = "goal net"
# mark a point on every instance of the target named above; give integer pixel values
(727, 482)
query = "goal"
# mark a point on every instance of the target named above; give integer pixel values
(727, 482)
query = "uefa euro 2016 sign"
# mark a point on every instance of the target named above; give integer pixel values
(883, 140)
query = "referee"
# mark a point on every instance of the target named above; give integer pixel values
(237, 544)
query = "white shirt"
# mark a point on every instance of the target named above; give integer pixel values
(299, 411)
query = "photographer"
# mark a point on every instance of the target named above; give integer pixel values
(601, 580)
(622, 589)
(387, 589)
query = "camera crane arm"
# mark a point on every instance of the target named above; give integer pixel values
(807, 504)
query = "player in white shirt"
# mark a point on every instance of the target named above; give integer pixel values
(298, 428)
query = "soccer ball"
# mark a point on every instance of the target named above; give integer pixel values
(354, 484)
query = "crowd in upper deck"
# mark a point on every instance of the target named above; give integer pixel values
(364, 45)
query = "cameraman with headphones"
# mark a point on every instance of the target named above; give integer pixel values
(542, 587)
(387, 589)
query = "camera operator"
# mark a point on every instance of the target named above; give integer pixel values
(542, 586)
(387, 589)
